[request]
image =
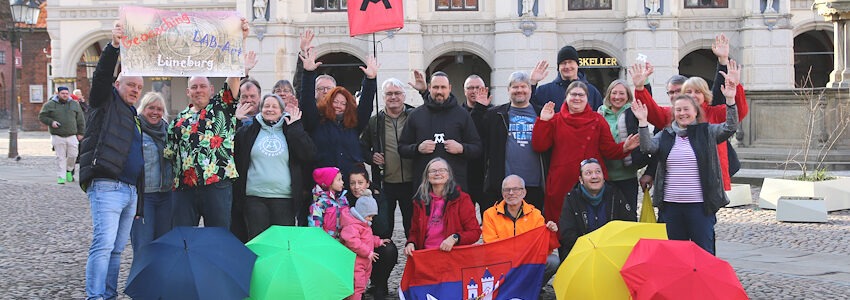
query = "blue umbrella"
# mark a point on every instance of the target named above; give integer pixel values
(192, 263)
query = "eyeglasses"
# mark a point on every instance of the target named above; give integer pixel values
(513, 190)
(390, 94)
(473, 88)
(589, 161)
(673, 92)
(578, 95)
(286, 91)
(438, 171)
(324, 89)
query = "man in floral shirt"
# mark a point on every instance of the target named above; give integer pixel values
(200, 142)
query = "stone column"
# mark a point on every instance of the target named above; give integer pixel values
(838, 12)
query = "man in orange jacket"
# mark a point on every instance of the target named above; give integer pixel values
(513, 216)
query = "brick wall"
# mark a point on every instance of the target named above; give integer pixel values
(34, 72)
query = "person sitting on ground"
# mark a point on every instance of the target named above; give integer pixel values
(591, 203)
(513, 216)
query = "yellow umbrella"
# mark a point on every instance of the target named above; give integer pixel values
(592, 269)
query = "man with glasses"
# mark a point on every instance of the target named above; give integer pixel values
(390, 173)
(513, 216)
(249, 99)
(568, 72)
(589, 205)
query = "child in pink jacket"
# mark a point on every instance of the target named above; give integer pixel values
(357, 235)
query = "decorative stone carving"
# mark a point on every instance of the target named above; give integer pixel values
(837, 12)
(260, 10)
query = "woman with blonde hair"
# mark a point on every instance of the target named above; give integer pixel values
(159, 176)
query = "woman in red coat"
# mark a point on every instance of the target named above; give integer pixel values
(697, 88)
(443, 215)
(573, 134)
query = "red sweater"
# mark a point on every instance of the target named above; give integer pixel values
(572, 138)
(662, 116)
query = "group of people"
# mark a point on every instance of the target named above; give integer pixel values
(299, 158)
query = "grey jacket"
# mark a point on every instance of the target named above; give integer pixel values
(703, 138)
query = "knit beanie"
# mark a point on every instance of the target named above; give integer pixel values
(366, 205)
(568, 52)
(324, 177)
(62, 88)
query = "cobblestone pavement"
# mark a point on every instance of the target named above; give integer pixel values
(45, 231)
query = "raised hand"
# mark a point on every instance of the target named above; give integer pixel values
(632, 142)
(548, 111)
(482, 96)
(242, 110)
(640, 111)
(734, 72)
(418, 83)
(638, 72)
(540, 71)
(371, 69)
(720, 47)
(306, 40)
(729, 89)
(250, 61)
(309, 59)
(245, 28)
(117, 34)
(294, 116)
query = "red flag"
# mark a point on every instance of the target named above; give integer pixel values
(368, 16)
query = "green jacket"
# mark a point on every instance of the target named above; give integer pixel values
(69, 115)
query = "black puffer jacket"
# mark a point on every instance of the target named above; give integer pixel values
(104, 149)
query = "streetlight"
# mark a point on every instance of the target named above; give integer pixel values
(23, 11)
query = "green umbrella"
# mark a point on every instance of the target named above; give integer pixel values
(300, 263)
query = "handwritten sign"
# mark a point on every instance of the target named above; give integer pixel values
(171, 43)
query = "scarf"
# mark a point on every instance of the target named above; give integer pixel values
(679, 130)
(593, 200)
(156, 131)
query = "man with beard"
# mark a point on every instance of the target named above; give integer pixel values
(440, 128)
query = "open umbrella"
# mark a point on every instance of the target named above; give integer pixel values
(662, 269)
(192, 263)
(592, 269)
(300, 263)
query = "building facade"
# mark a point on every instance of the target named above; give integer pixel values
(776, 40)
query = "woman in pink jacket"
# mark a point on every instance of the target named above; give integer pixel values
(357, 235)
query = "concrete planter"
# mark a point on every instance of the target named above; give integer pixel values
(739, 195)
(835, 192)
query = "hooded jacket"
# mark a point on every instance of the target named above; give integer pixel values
(459, 217)
(574, 220)
(556, 91)
(571, 138)
(70, 116)
(357, 236)
(440, 121)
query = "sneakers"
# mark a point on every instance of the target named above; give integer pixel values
(69, 176)
(60, 180)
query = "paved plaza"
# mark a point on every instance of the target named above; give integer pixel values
(45, 230)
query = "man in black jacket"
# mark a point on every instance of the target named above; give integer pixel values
(440, 128)
(111, 168)
(589, 205)
(506, 138)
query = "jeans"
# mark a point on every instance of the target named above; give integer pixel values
(260, 213)
(156, 220)
(213, 202)
(113, 205)
(403, 193)
(687, 221)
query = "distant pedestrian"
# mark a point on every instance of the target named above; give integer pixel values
(66, 123)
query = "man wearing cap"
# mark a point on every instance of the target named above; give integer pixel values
(556, 91)
(66, 122)
(589, 205)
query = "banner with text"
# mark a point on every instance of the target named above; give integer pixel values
(171, 43)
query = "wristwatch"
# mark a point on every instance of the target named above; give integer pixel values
(456, 237)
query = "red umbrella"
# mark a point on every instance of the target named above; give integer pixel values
(666, 269)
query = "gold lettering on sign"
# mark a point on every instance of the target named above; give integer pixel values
(597, 61)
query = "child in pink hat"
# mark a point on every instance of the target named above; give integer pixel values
(329, 202)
